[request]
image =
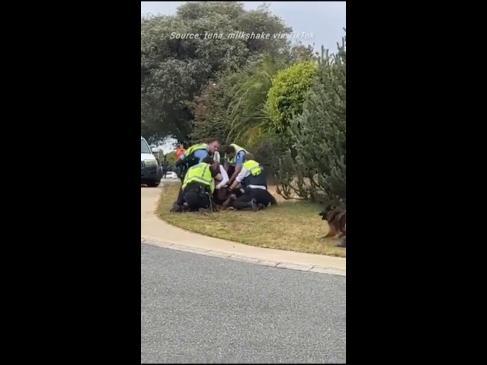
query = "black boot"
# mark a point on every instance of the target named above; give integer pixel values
(252, 204)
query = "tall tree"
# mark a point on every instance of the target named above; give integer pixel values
(174, 70)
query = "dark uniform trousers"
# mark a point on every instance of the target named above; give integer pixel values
(261, 196)
(195, 195)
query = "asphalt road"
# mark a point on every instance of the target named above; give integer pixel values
(201, 309)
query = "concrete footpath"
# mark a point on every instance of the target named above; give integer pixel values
(157, 232)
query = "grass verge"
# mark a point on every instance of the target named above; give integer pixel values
(291, 225)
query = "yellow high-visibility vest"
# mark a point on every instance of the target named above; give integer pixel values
(238, 149)
(253, 167)
(193, 148)
(200, 173)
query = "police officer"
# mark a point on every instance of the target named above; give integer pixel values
(254, 182)
(235, 157)
(197, 189)
(195, 154)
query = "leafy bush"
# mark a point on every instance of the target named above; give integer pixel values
(318, 170)
(286, 96)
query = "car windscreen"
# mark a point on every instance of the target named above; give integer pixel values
(144, 147)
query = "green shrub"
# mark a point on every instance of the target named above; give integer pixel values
(286, 96)
(314, 165)
(320, 141)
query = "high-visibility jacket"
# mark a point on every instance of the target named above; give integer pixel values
(196, 147)
(238, 149)
(189, 160)
(256, 176)
(200, 173)
(253, 167)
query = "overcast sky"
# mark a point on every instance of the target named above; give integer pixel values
(325, 20)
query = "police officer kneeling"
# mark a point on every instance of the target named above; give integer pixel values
(196, 154)
(253, 180)
(197, 189)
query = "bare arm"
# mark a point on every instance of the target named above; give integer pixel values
(243, 173)
(238, 168)
(239, 161)
(234, 185)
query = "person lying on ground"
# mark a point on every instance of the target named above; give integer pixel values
(255, 196)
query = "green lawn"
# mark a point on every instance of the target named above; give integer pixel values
(291, 225)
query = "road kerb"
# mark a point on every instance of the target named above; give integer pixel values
(251, 260)
(240, 258)
(285, 265)
(327, 270)
(268, 263)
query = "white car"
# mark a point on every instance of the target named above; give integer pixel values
(171, 175)
(150, 171)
